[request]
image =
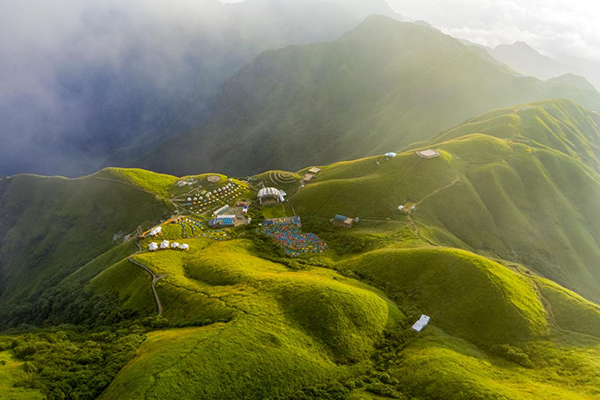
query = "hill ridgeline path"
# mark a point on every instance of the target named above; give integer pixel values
(155, 278)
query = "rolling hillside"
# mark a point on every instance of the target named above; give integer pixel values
(529, 203)
(557, 124)
(380, 87)
(498, 247)
(50, 226)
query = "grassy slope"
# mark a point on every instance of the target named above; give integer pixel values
(485, 194)
(559, 124)
(469, 296)
(293, 328)
(380, 87)
(443, 367)
(52, 226)
(11, 373)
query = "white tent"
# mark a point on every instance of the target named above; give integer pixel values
(164, 244)
(421, 323)
(155, 231)
(400, 207)
(153, 246)
(174, 245)
(184, 247)
(390, 154)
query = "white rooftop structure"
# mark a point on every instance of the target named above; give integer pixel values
(223, 216)
(421, 323)
(270, 191)
(391, 154)
(400, 207)
(428, 153)
(184, 247)
(153, 246)
(155, 231)
(164, 244)
(221, 210)
(174, 245)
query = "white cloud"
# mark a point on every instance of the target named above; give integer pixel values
(552, 26)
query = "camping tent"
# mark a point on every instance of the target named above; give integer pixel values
(153, 246)
(164, 244)
(174, 245)
(184, 247)
(156, 231)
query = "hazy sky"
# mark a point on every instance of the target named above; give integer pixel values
(551, 26)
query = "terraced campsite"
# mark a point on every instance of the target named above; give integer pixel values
(310, 288)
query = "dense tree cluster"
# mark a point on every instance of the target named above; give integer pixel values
(68, 364)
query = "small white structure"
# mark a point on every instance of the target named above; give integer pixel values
(421, 323)
(189, 199)
(391, 154)
(153, 246)
(184, 247)
(156, 231)
(174, 245)
(428, 153)
(164, 244)
(400, 207)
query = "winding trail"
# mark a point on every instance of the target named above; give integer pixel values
(436, 191)
(155, 278)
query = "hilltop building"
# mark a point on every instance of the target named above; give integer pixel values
(184, 247)
(174, 245)
(307, 178)
(270, 195)
(428, 153)
(421, 323)
(153, 246)
(295, 220)
(314, 170)
(164, 245)
(223, 221)
(344, 222)
(391, 154)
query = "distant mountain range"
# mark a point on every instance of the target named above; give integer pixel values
(159, 76)
(528, 61)
(380, 87)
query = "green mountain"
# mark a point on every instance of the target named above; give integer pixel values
(50, 227)
(510, 184)
(380, 87)
(498, 247)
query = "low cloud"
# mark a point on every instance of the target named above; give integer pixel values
(554, 27)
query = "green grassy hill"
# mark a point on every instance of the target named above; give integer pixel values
(380, 87)
(558, 124)
(287, 329)
(52, 226)
(496, 243)
(483, 193)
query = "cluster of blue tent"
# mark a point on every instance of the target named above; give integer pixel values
(293, 241)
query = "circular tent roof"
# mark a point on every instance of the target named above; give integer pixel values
(214, 178)
(270, 191)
